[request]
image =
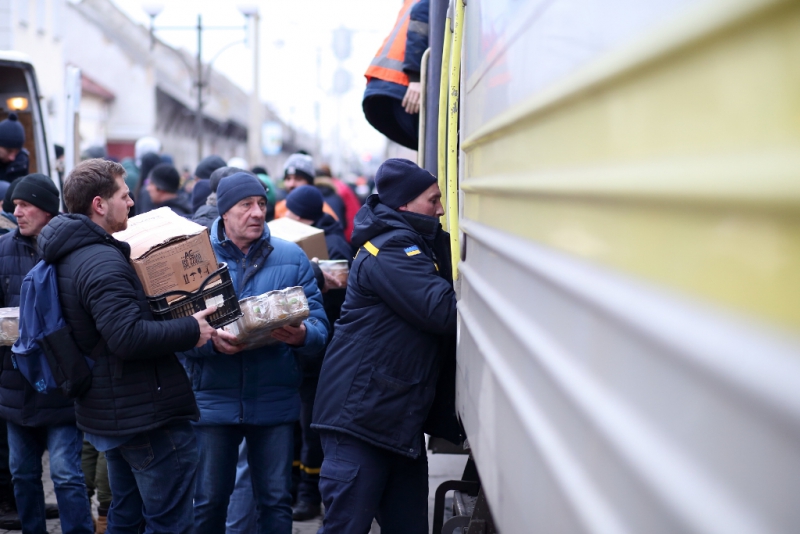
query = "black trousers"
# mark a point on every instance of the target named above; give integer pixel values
(360, 482)
(6, 487)
(311, 449)
(386, 114)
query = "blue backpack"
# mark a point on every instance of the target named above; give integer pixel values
(46, 353)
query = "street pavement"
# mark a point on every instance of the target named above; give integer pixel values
(441, 467)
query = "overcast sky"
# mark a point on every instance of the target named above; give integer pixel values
(293, 34)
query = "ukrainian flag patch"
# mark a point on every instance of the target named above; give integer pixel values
(412, 251)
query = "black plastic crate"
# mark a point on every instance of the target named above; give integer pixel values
(190, 302)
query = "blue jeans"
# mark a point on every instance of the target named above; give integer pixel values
(359, 482)
(152, 480)
(26, 447)
(269, 454)
(242, 513)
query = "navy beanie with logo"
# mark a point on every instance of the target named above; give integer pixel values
(236, 187)
(305, 202)
(12, 134)
(399, 181)
(39, 190)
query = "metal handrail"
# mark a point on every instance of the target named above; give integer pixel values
(423, 107)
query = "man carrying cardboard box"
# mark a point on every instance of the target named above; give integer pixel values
(252, 394)
(140, 403)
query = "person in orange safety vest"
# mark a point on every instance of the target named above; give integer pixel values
(392, 97)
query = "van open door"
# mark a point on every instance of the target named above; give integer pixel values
(19, 93)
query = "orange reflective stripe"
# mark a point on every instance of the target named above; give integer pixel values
(398, 48)
(390, 75)
(388, 62)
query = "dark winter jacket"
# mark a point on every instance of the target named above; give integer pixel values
(208, 212)
(138, 384)
(338, 249)
(179, 205)
(20, 403)
(17, 168)
(258, 386)
(397, 328)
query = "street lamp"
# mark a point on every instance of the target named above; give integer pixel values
(153, 10)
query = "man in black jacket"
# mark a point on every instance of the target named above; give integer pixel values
(381, 373)
(37, 421)
(165, 181)
(139, 407)
(304, 204)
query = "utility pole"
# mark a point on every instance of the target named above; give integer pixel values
(200, 81)
(255, 119)
(198, 120)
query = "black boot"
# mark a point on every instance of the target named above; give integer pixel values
(303, 511)
(9, 519)
(50, 511)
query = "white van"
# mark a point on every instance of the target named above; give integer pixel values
(19, 93)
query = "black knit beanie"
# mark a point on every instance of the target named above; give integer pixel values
(208, 165)
(39, 190)
(165, 177)
(399, 181)
(236, 187)
(221, 173)
(305, 202)
(12, 134)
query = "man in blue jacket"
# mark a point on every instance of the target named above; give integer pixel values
(37, 422)
(252, 395)
(380, 376)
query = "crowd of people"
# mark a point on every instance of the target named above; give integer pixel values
(184, 431)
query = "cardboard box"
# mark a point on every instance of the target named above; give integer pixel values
(168, 252)
(310, 239)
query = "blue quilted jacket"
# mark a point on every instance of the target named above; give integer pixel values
(259, 386)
